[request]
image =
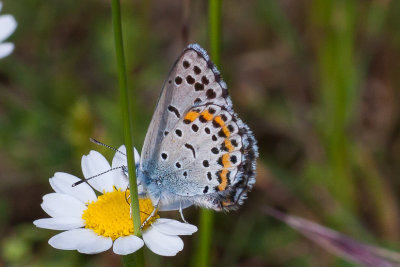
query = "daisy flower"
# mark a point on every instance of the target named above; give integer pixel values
(7, 27)
(94, 224)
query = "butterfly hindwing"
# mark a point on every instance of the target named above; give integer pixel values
(196, 147)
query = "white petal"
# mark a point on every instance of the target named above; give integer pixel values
(136, 156)
(60, 223)
(95, 244)
(62, 183)
(119, 160)
(173, 227)
(175, 205)
(164, 245)
(7, 26)
(95, 164)
(6, 49)
(71, 239)
(120, 180)
(127, 244)
(61, 205)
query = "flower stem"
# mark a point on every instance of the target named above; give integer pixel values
(207, 216)
(129, 260)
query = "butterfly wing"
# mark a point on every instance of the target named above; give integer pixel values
(189, 150)
(189, 82)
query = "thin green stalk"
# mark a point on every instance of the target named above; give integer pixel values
(138, 258)
(214, 13)
(338, 79)
(207, 216)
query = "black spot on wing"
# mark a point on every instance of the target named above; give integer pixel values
(178, 132)
(205, 189)
(189, 146)
(211, 94)
(214, 150)
(178, 80)
(197, 70)
(198, 87)
(190, 79)
(234, 142)
(174, 110)
(186, 64)
(195, 128)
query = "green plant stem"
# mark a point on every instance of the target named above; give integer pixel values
(138, 258)
(207, 216)
(339, 79)
(214, 13)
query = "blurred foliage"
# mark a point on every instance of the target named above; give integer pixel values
(317, 81)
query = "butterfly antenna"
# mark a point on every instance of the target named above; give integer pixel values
(107, 146)
(94, 176)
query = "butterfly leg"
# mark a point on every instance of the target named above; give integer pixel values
(181, 212)
(155, 209)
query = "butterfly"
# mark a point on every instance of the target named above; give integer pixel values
(197, 150)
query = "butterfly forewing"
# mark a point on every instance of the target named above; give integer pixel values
(190, 82)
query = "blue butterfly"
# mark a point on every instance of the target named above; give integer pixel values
(197, 150)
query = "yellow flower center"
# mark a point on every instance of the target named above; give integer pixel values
(110, 216)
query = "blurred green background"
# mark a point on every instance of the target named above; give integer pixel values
(317, 81)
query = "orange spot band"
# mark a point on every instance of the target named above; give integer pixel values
(226, 131)
(228, 145)
(226, 161)
(224, 180)
(207, 115)
(191, 115)
(219, 121)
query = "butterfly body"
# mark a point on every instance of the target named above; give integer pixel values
(197, 150)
